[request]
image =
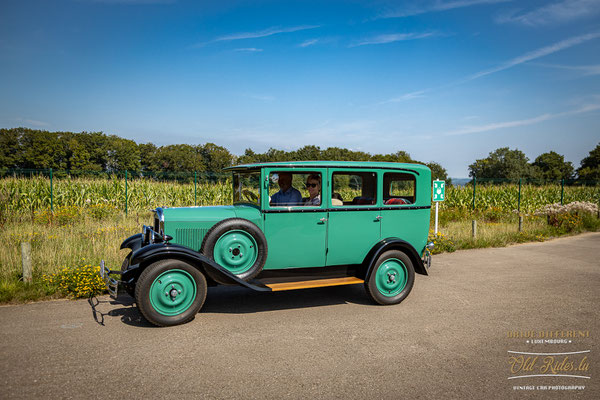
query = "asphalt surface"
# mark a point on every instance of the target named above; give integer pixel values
(449, 339)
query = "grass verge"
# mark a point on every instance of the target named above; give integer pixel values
(67, 250)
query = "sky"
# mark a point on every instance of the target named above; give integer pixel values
(446, 81)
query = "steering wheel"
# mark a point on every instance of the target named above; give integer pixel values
(250, 196)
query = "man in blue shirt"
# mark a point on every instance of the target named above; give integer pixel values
(287, 195)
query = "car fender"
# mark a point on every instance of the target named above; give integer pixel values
(393, 244)
(159, 251)
(132, 242)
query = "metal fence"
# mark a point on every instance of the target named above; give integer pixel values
(478, 193)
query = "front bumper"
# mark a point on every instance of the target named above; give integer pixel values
(112, 285)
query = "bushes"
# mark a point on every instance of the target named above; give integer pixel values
(77, 282)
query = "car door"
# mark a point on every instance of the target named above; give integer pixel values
(296, 233)
(354, 220)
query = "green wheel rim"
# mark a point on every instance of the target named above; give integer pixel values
(173, 292)
(236, 251)
(391, 277)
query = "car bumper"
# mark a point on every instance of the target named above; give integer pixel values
(112, 285)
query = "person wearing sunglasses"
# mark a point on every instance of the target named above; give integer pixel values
(313, 185)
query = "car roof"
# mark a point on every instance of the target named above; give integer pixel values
(333, 164)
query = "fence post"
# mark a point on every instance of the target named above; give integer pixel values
(473, 228)
(519, 201)
(51, 193)
(195, 179)
(26, 260)
(520, 223)
(126, 192)
(474, 186)
(562, 191)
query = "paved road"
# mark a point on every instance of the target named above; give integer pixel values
(449, 339)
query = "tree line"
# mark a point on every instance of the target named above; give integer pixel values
(23, 148)
(504, 163)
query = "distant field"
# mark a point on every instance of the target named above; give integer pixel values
(23, 196)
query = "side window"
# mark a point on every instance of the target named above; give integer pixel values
(354, 189)
(398, 188)
(291, 189)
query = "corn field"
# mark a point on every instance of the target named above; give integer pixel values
(506, 197)
(20, 196)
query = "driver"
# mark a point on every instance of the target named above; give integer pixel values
(287, 195)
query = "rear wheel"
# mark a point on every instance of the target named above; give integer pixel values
(170, 292)
(391, 279)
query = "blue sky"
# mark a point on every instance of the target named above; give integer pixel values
(446, 81)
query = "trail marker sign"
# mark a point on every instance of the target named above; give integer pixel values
(439, 194)
(439, 190)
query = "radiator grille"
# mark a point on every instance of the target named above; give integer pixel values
(190, 237)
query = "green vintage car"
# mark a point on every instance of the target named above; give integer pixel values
(292, 225)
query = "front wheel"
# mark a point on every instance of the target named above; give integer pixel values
(170, 292)
(391, 279)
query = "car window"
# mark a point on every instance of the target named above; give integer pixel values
(398, 188)
(291, 189)
(246, 187)
(353, 189)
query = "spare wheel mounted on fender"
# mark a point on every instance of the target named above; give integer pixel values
(237, 245)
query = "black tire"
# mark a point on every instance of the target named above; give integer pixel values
(221, 244)
(129, 288)
(391, 279)
(166, 276)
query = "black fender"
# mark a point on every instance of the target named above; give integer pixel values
(393, 244)
(132, 242)
(146, 255)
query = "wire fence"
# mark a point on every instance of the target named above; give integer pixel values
(30, 190)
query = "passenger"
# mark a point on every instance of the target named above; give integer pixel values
(287, 195)
(313, 184)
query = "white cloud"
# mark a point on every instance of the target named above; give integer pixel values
(523, 122)
(532, 55)
(559, 12)
(394, 37)
(585, 70)
(309, 42)
(263, 33)
(541, 52)
(438, 6)
(249, 50)
(405, 97)
(33, 122)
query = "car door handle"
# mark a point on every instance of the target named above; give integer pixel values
(322, 220)
(378, 218)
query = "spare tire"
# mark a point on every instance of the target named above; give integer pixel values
(237, 245)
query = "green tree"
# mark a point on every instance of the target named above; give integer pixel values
(590, 166)
(214, 157)
(148, 157)
(42, 149)
(123, 154)
(503, 163)
(179, 157)
(10, 148)
(439, 172)
(552, 166)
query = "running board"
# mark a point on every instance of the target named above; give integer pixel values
(315, 283)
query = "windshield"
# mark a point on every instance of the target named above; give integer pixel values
(246, 187)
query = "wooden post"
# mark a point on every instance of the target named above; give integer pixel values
(520, 223)
(473, 228)
(26, 260)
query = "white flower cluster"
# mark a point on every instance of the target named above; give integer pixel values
(574, 207)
